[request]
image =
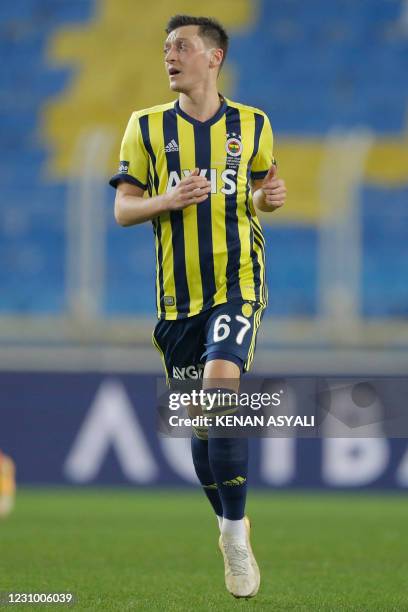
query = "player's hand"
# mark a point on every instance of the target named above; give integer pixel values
(274, 189)
(192, 189)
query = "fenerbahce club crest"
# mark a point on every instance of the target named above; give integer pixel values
(233, 146)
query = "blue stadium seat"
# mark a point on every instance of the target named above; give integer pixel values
(333, 63)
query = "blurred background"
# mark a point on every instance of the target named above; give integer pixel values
(77, 367)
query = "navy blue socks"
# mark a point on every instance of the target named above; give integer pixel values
(199, 451)
(228, 460)
(221, 465)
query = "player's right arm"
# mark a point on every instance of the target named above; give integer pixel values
(131, 208)
(131, 182)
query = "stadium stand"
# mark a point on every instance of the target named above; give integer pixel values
(350, 67)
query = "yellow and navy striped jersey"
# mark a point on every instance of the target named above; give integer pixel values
(213, 252)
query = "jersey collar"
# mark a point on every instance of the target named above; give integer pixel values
(209, 121)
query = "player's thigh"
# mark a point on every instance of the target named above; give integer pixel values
(222, 367)
(232, 329)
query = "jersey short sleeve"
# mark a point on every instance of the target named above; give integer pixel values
(263, 158)
(134, 161)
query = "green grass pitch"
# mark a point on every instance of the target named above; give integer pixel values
(144, 550)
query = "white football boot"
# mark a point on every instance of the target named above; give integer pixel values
(242, 577)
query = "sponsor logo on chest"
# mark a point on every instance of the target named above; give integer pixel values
(228, 179)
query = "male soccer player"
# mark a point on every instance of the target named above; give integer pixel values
(207, 164)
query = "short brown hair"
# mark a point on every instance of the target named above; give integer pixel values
(207, 28)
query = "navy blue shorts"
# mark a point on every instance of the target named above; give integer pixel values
(227, 331)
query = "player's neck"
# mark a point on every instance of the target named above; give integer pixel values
(200, 105)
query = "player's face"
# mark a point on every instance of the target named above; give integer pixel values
(187, 59)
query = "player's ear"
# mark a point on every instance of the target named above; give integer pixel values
(216, 58)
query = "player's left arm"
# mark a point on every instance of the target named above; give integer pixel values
(269, 191)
